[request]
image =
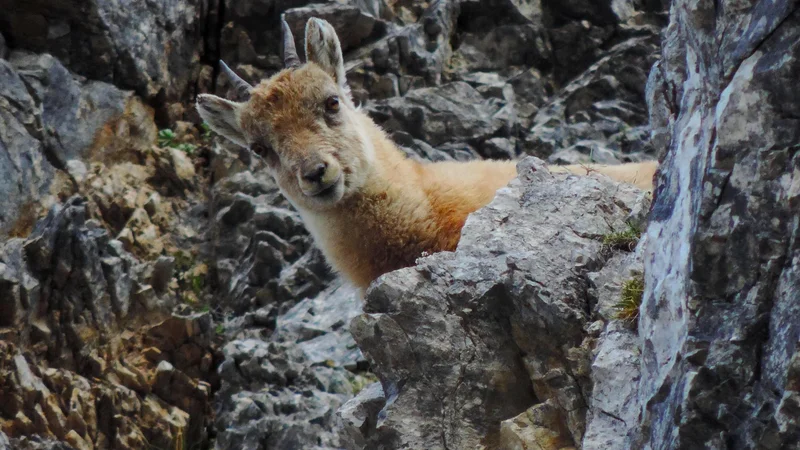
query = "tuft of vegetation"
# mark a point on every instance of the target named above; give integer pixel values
(363, 380)
(220, 329)
(198, 282)
(183, 260)
(630, 299)
(208, 133)
(168, 138)
(623, 240)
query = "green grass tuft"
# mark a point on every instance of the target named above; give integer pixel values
(623, 240)
(630, 299)
(168, 138)
(363, 380)
(208, 133)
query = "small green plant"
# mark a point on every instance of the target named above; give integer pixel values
(623, 240)
(220, 329)
(186, 148)
(167, 138)
(363, 380)
(630, 299)
(197, 284)
(208, 133)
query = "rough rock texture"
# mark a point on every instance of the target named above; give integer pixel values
(290, 362)
(262, 253)
(721, 312)
(616, 357)
(72, 298)
(284, 393)
(153, 48)
(598, 116)
(515, 57)
(49, 121)
(499, 328)
(91, 355)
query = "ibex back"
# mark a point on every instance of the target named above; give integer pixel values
(369, 208)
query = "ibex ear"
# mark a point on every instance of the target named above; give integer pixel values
(323, 48)
(222, 116)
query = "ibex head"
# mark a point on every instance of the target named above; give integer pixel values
(301, 121)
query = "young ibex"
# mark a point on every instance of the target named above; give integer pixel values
(369, 208)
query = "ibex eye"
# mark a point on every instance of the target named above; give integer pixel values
(264, 151)
(332, 104)
(259, 149)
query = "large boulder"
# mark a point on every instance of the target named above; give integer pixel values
(500, 328)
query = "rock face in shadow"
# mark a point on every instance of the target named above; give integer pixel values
(721, 312)
(501, 327)
(153, 48)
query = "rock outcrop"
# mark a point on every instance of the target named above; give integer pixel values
(721, 312)
(80, 362)
(713, 360)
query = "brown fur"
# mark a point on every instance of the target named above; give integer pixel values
(383, 210)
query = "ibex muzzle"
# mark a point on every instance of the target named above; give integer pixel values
(318, 177)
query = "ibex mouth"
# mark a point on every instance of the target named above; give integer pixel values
(326, 192)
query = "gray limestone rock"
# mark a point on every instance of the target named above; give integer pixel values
(603, 108)
(613, 409)
(453, 112)
(67, 275)
(351, 23)
(74, 113)
(262, 252)
(285, 375)
(359, 416)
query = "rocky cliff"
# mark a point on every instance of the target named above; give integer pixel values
(156, 291)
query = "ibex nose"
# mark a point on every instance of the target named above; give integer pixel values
(314, 172)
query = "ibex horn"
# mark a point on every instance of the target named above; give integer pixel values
(290, 58)
(242, 87)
